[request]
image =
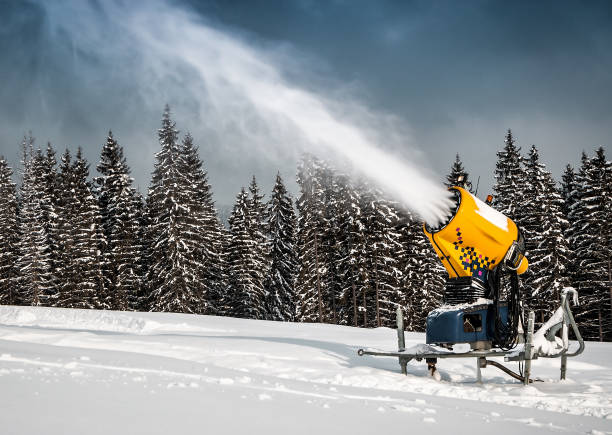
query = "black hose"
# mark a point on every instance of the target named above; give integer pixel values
(506, 333)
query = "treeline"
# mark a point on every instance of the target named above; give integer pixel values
(343, 253)
(568, 232)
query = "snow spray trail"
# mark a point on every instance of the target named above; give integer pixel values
(243, 84)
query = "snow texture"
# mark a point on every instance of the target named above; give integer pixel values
(88, 371)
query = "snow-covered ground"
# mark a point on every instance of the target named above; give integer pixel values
(87, 372)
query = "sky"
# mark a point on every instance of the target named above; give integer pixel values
(423, 79)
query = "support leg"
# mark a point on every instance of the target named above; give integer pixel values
(529, 347)
(481, 363)
(401, 340)
(563, 366)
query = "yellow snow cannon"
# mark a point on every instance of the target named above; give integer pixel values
(483, 252)
(476, 238)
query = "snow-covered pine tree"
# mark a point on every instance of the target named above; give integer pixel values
(509, 180)
(43, 176)
(207, 235)
(281, 230)
(142, 299)
(546, 246)
(34, 264)
(587, 313)
(256, 226)
(310, 283)
(330, 253)
(352, 251)
(246, 295)
(407, 258)
(592, 243)
(174, 271)
(457, 171)
(145, 300)
(9, 240)
(81, 239)
(382, 243)
(212, 237)
(567, 190)
(426, 277)
(48, 200)
(120, 208)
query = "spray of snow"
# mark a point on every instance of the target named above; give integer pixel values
(244, 90)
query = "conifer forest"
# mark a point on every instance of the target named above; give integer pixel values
(340, 252)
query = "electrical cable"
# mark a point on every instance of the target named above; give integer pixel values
(506, 333)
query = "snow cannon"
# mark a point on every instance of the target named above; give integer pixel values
(483, 252)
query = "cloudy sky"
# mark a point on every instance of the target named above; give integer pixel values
(423, 79)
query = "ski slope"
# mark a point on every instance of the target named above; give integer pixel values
(104, 372)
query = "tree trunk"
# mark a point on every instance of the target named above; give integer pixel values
(354, 305)
(365, 308)
(377, 296)
(318, 280)
(600, 325)
(610, 284)
(334, 308)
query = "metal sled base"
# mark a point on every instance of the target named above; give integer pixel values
(561, 320)
(431, 354)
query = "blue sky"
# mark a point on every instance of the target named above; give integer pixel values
(455, 74)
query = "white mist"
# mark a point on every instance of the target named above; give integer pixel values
(243, 89)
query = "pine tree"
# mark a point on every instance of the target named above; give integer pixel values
(569, 196)
(591, 240)
(34, 264)
(352, 251)
(81, 239)
(329, 246)
(281, 230)
(382, 241)
(174, 275)
(407, 256)
(246, 296)
(256, 226)
(458, 171)
(9, 249)
(509, 180)
(310, 285)
(43, 178)
(424, 275)
(206, 233)
(120, 208)
(579, 239)
(568, 190)
(546, 246)
(48, 195)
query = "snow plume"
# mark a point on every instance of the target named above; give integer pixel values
(244, 91)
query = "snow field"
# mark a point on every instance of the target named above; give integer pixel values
(159, 372)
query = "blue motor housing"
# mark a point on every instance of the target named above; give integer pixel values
(463, 324)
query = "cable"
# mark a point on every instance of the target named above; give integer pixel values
(506, 333)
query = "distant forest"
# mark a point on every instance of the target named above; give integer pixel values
(341, 252)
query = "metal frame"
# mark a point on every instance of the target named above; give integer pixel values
(431, 354)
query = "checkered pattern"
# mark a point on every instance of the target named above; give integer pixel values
(472, 260)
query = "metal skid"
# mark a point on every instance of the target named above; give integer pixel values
(561, 321)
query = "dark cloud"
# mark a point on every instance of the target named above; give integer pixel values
(457, 73)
